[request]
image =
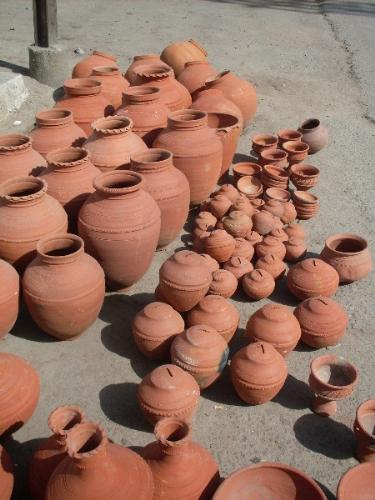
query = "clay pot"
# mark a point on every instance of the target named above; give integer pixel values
(184, 280)
(211, 264)
(120, 224)
(201, 351)
(295, 249)
(237, 223)
(204, 222)
(246, 169)
(20, 388)
(113, 83)
(168, 391)
(253, 238)
(214, 101)
(75, 281)
(258, 204)
(288, 135)
(314, 134)
(272, 264)
(224, 283)
(177, 54)
(276, 157)
(84, 98)
(197, 151)
(55, 129)
(6, 474)
(228, 130)
(154, 329)
(216, 312)
(52, 450)
(243, 204)
(18, 158)
(275, 324)
(258, 284)
(290, 213)
(251, 187)
(274, 207)
(279, 234)
(229, 191)
(194, 74)
(304, 176)
(143, 60)
(27, 214)
(306, 204)
(275, 176)
(358, 482)
(85, 66)
(323, 321)
(243, 249)
(220, 245)
(349, 255)
(169, 188)
(263, 222)
(276, 194)
(181, 468)
(297, 151)
(263, 142)
(295, 231)
(91, 457)
(258, 372)
(311, 278)
(9, 297)
(199, 242)
(364, 426)
(219, 205)
(238, 266)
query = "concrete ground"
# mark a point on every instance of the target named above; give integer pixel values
(306, 58)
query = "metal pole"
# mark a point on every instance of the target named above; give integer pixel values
(45, 22)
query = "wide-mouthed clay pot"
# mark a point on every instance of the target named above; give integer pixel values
(358, 482)
(311, 278)
(9, 297)
(214, 101)
(314, 134)
(275, 176)
(84, 67)
(276, 157)
(304, 176)
(250, 186)
(263, 142)
(224, 283)
(228, 129)
(295, 249)
(113, 83)
(211, 264)
(306, 204)
(238, 266)
(141, 60)
(297, 151)
(248, 169)
(258, 284)
(18, 158)
(273, 264)
(287, 135)
(177, 54)
(277, 194)
(6, 474)
(220, 245)
(364, 426)
(195, 73)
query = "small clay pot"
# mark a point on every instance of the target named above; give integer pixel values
(177, 54)
(323, 321)
(304, 176)
(258, 372)
(271, 245)
(272, 264)
(243, 204)
(194, 74)
(9, 297)
(247, 169)
(279, 234)
(358, 482)
(311, 278)
(251, 187)
(219, 205)
(113, 83)
(287, 135)
(243, 249)
(220, 245)
(224, 283)
(257, 203)
(277, 194)
(306, 204)
(253, 237)
(84, 67)
(211, 264)
(6, 474)
(297, 151)
(275, 176)
(295, 231)
(205, 221)
(290, 213)
(263, 222)
(258, 284)
(314, 134)
(295, 249)
(229, 191)
(238, 266)
(363, 427)
(237, 223)
(263, 142)
(274, 207)
(276, 157)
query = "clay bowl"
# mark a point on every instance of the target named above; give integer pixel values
(297, 151)
(269, 480)
(306, 204)
(275, 176)
(288, 134)
(263, 142)
(277, 194)
(251, 187)
(246, 169)
(277, 157)
(304, 176)
(364, 430)
(358, 483)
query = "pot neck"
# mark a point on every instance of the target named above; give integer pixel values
(220, 77)
(68, 159)
(57, 117)
(106, 71)
(152, 161)
(142, 95)
(309, 125)
(146, 57)
(187, 119)
(62, 420)
(12, 144)
(60, 249)
(173, 437)
(87, 445)
(23, 191)
(119, 184)
(112, 127)
(79, 87)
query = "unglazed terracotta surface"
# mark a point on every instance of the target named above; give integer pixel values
(214, 101)
(84, 67)
(311, 278)
(314, 134)
(364, 426)
(258, 284)
(9, 297)
(177, 54)
(113, 83)
(195, 73)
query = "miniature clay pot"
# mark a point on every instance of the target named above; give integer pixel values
(214, 101)
(120, 224)
(295, 249)
(27, 214)
(258, 372)
(251, 187)
(243, 249)
(288, 135)
(295, 231)
(181, 468)
(275, 176)
(20, 388)
(9, 297)
(290, 213)
(219, 205)
(279, 234)
(229, 191)
(237, 223)
(55, 129)
(168, 391)
(276, 157)
(228, 129)
(274, 207)
(314, 134)
(253, 237)
(304, 176)
(243, 204)
(297, 151)
(276, 194)
(216, 312)
(205, 221)
(177, 54)
(184, 280)
(311, 278)
(169, 188)
(238, 266)
(195, 73)
(224, 283)
(275, 324)
(201, 351)
(263, 222)
(323, 321)
(113, 83)
(246, 169)
(306, 204)
(84, 67)
(154, 329)
(272, 264)
(258, 284)
(211, 264)
(364, 426)
(349, 255)
(263, 142)
(358, 482)
(142, 60)
(220, 245)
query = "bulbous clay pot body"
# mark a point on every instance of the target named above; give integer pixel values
(224, 283)
(169, 188)
(91, 457)
(270, 245)
(263, 222)
(84, 98)
(258, 372)
(27, 214)
(9, 297)
(311, 278)
(112, 143)
(228, 129)
(178, 54)
(211, 264)
(364, 425)
(229, 191)
(55, 129)
(237, 223)
(290, 213)
(204, 222)
(18, 158)
(238, 266)
(141, 61)
(295, 231)
(250, 186)
(20, 388)
(220, 245)
(314, 134)
(295, 249)
(168, 391)
(243, 249)
(194, 74)
(113, 83)
(154, 329)
(219, 205)
(258, 284)
(358, 482)
(253, 237)
(272, 264)
(280, 234)
(274, 207)
(304, 176)
(6, 475)
(120, 224)
(75, 280)
(214, 101)
(84, 68)
(197, 151)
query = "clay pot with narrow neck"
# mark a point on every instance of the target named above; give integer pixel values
(140, 61)
(9, 297)
(18, 158)
(120, 225)
(271, 245)
(258, 284)
(177, 54)
(113, 83)
(237, 223)
(304, 176)
(84, 67)
(364, 430)
(287, 135)
(219, 205)
(243, 249)
(263, 142)
(91, 457)
(27, 214)
(228, 129)
(214, 101)
(295, 249)
(238, 266)
(272, 264)
(6, 474)
(311, 278)
(197, 151)
(194, 74)
(220, 245)
(358, 482)
(169, 188)
(314, 134)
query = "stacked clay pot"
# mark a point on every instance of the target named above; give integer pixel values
(141, 60)
(304, 176)
(248, 169)
(177, 54)
(6, 474)
(274, 176)
(9, 297)
(275, 157)
(84, 67)
(287, 135)
(311, 278)
(306, 204)
(263, 142)
(194, 74)
(214, 101)
(113, 83)
(18, 158)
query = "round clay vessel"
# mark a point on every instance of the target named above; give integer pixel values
(168, 391)
(113, 83)
(258, 372)
(257, 203)
(237, 223)
(85, 66)
(314, 134)
(27, 214)
(6, 474)
(297, 151)
(20, 388)
(363, 427)
(306, 204)
(228, 129)
(205, 221)
(323, 321)
(273, 264)
(263, 222)
(229, 191)
(199, 242)
(258, 284)
(243, 204)
(295, 249)
(276, 194)
(195, 73)
(250, 186)
(177, 54)
(238, 266)
(304, 176)
(9, 297)
(263, 142)
(246, 169)
(287, 135)
(279, 234)
(274, 207)
(120, 224)
(224, 283)
(253, 238)
(358, 482)
(220, 245)
(243, 249)
(154, 329)
(18, 158)
(211, 264)
(311, 278)
(275, 176)
(141, 61)
(276, 157)
(295, 231)
(219, 205)
(290, 213)
(214, 101)
(349, 254)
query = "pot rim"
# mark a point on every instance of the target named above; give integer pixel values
(353, 471)
(14, 142)
(310, 124)
(106, 70)
(73, 157)
(60, 242)
(112, 125)
(36, 184)
(258, 138)
(295, 147)
(346, 236)
(286, 134)
(54, 116)
(62, 414)
(151, 159)
(257, 169)
(106, 182)
(104, 54)
(299, 168)
(86, 427)
(82, 86)
(274, 154)
(330, 359)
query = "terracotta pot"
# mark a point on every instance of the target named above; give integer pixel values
(275, 176)
(304, 176)
(258, 284)
(229, 191)
(85, 66)
(276, 157)
(201, 351)
(177, 54)
(272, 264)
(154, 329)
(297, 151)
(6, 474)
(113, 83)
(295, 231)
(314, 134)
(364, 425)
(214, 101)
(52, 449)
(275, 324)
(118, 222)
(263, 222)
(27, 214)
(243, 204)
(243, 249)
(306, 204)
(246, 169)
(197, 151)
(18, 158)
(220, 245)
(349, 255)
(195, 73)
(276, 194)
(295, 249)
(199, 242)
(211, 264)
(55, 129)
(204, 222)
(228, 129)
(258, 204)
(278, 223)
(9, 297)
(84, 98)
(251, 187)
(311, 278)
(290, 213)
(237, 223)
(216, 312)
(258, 372)
(169, 188)
(274, 207)
(323, 321)
(143, 60)
(224, 283)
(181, 468)
(253, 237)
(279, 234)
(263, 142)
(91, 457)
(75, 281)
(358, 482)
(287, 135)
(238, 266)
(219, 205)
(20, 388)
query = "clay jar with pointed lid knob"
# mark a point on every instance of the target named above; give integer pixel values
(258, 284)
(177, 54)
(314, 134)
(295, 249)
(272, 264)
(272, 245)
(295, 231)
(224, 283)
(194, 74)
(154, 329)
(19, 395)
(113, 83)
(219, 205)
(142, 60)
(263, 142)
(263, 222)
(237, 223)
(214, 101)
(220, 245)
(280, 234)
(120, 224)
(238, 266)
(312, 277)
(27, 214)
(275, 157)
(84, 67)
(9, 297)
(6, 474)
(211, 264)
(274, 207)
(243, 249)
(358, 482)
(243, 204)
(290, 213)
(253, 238)
(363, 427)
(204, 222)
(229, 191)
(91, 456)
(258, 372)
(228, 130)
(52, 450)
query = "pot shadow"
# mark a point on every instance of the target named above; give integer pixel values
(302, 347)
(328, 493)
(282, 295)
(58, 94)
(25, 328)
(240, 158)
(238, 342)
(295, 394)
(311, 255)
(222, 391)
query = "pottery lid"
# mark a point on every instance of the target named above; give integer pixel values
(223, 277)
(213, 304)
(210, 262)
(271, 260)
(321, 314)
(272, 241)
(263, 217)
(358, 482)
(239, 263)
(185, 268)
(258, 276)
(219, 237)
(295, 242)
(254, 237)
(237, 216)
(315, 266)
(158, 319)
(274, 323)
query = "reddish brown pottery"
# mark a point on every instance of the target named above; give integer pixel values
(364, 427)
(314, 134)
(272, 264)
(205, 221)
(243, 169)
(304, 176)
(113, 83)
(9, 297)
(276, 157)
(194, 74)
(84, 67)
(219, 205)
(295, 249)
(229, 191)
(275, 176)
(290, 213)
(243, 249)
(177, 54)
(357, 483)
(263, 222)
(277, 194)
(287, 135)
(306, 204)
(141, 61)
(243, 204)
(224, 283)
(311, 278)
(6, 475)
(238, 266)
(253, 237)
(237, 223)
(274, 207)
(228, 129)
(214, 101)
(258, 284)
(295, 231)
(263, 142)
(297, 151)
(18, 158)
(220, 245)
(211, 264)
(250, 186)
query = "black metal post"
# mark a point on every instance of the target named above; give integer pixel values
(45, 22)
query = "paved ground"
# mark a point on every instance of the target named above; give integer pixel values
(306, 59)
